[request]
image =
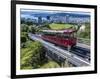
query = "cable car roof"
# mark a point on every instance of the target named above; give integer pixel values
(59, 31)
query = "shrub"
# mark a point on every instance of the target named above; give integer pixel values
(30, 56)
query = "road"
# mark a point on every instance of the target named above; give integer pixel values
(83, 45)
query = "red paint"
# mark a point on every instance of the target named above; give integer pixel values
(60, 41)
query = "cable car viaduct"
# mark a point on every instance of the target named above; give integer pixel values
(60, 54)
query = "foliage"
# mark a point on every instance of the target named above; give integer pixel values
(30, 56)
(44, 27)
(50, 64)
(23, 39)
(24, 28)
(33, 30)
(32, 52)
(27, 21)
(85, 33)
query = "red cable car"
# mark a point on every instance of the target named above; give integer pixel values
(64, 38)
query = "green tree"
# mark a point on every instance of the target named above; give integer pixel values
(23, 39)
(24, 28)
(30, 58)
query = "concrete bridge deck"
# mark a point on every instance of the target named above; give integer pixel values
(69, 56)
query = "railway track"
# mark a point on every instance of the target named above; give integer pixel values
(82, 52)
(79, 51)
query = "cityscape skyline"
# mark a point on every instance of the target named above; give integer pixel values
(56, 16)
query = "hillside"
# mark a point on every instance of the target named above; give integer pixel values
(55, 26)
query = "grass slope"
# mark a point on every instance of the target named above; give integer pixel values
(50, 64)
(60, 26)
